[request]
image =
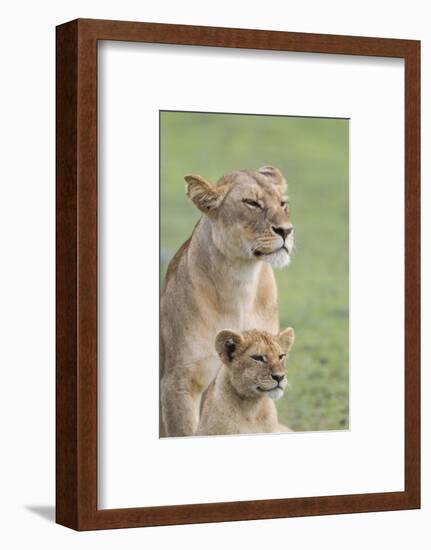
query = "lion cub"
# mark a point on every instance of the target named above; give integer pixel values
(241, 398)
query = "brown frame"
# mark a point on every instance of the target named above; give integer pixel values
(76, 372)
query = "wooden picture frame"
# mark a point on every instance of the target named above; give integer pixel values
(76, 279)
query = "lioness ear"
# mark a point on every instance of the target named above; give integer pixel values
(206, 197)
(275, 175)
(227, 343)
(286, 339)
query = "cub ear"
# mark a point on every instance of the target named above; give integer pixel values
(206, 197)
(275, 175)
(227, 343)
(286, 339)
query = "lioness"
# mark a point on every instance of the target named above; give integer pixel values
(241, 398)
(220, 277)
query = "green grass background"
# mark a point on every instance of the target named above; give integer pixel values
(314, 289)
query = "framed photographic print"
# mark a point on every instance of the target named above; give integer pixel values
(238, 276)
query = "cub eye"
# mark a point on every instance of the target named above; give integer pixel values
(283, 204)
(258, 358)
(252, 203)
(282, 356)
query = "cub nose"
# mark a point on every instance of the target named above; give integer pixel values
(283, 231)
(277, 377)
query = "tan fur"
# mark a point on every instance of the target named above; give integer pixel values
(241, 398)
(221, 276)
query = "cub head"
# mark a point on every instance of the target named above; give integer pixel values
(256, 361)
(249, 214)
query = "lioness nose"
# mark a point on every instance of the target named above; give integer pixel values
(283, 231)
(277, 377)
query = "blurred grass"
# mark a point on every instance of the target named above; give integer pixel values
(313, 291)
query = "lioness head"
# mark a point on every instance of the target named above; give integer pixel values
(256, 361)
(249, 214)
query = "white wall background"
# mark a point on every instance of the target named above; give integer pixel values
(27, 272)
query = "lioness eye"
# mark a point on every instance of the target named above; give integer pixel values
(282, 356)
(252, 203)
(259, 358)
(283, 204)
